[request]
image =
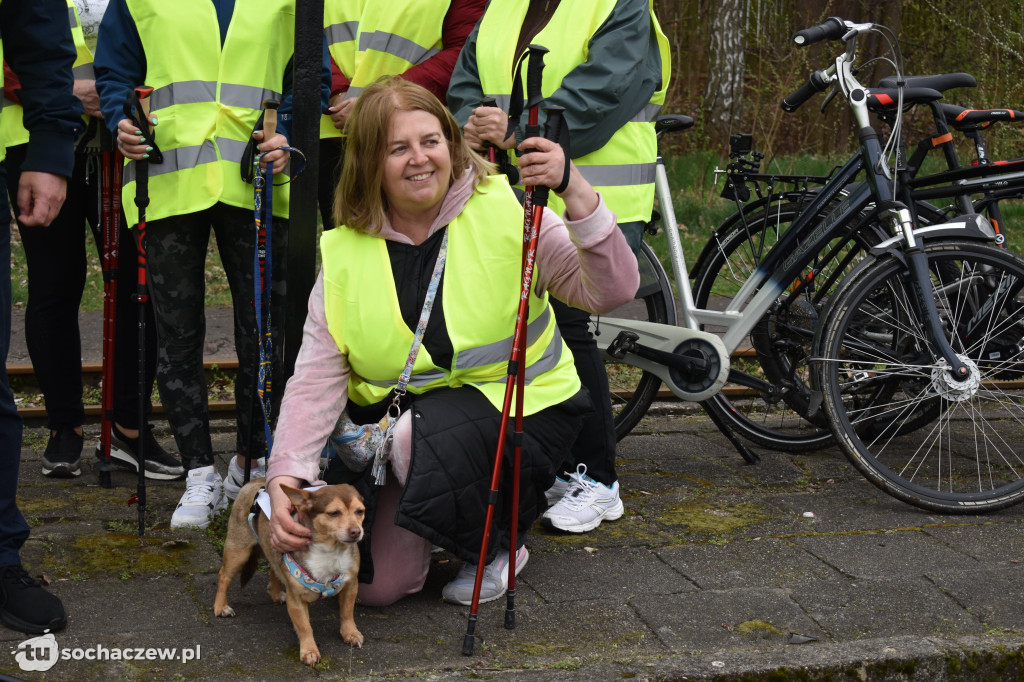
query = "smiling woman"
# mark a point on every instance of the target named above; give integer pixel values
(421, 219)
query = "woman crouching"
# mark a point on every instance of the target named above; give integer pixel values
(412, 190)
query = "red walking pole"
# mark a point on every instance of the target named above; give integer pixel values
(110, 210)
(536, 199)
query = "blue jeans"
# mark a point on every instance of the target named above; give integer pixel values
(13, 528)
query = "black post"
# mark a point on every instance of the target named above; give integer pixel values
(301, 259)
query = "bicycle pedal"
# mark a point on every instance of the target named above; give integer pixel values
(624, 342)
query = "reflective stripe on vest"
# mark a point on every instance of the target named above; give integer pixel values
(207, 97)
(394, 36)
(622, 170)
(359, 293)
(341, 27)
(12, 129)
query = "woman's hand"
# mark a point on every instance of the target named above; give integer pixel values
(545, 166)
(339, 109)
(278, 157)
(133, 142)
(286, 534)
(488, 124)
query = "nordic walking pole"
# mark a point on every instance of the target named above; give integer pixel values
(536, 199)
(110, 187)
(137, 108)
(262, 271)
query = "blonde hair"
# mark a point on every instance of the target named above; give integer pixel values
(359, 201)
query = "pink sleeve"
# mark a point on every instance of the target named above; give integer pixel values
(313, 398)
(586, 263)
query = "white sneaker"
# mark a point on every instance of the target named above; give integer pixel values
(557, 490)
(204, 497)
(236, 474)
(585, 504)
(493, 585)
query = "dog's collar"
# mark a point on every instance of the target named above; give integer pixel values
(327, 589)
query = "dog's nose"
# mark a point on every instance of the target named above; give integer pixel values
(355, 532)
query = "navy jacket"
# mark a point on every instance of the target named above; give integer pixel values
(37, 44)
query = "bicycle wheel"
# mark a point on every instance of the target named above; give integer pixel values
(783, 413)
(901, 420)
(631, 389)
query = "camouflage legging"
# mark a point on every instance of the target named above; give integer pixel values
(177, 249)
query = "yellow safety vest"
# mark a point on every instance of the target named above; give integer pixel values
(480, 298)
(622, 170)
(207, 98)
(341, 27)
(12, 130)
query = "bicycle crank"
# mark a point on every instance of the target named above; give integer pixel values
(693, 364)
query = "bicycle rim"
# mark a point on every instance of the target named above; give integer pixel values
(786, 417)
(935, 443)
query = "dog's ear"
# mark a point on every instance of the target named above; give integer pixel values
(299, 498)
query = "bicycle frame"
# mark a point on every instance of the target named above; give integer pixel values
(783, 265)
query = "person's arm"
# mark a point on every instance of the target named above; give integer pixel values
(313, 400)
(119, 63)
(464, 89)
(435, 73)
(39, 47)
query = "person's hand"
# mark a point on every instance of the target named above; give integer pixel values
(133, 142)
(286, 534)
(85, 90)
(545, 166)
(488, 124)
(340, 109)
(277, 157)
(40, 196)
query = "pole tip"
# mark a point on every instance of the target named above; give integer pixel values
(467, 645)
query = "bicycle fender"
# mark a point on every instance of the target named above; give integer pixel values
(968, 226)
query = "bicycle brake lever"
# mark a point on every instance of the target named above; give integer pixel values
(829, 97)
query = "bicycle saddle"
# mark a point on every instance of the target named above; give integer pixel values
(886, 98)
(963, 118)
(672, 123)
(940, 82)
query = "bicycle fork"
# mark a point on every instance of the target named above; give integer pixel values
(920, 280)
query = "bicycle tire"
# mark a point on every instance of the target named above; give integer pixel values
(632, 390)
(950, 447)
(788, 418)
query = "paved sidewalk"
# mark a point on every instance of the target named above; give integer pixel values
(716, 572)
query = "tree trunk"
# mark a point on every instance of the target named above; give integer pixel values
(723, 95)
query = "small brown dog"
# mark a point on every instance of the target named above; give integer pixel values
(330, 565)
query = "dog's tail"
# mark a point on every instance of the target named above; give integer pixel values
(250, 565)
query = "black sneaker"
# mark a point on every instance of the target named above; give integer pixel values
(63, 455)
(160, 464)
(25, 606)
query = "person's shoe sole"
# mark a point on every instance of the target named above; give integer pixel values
(62, 469)
(15, 623)
(613, 514)
(126, 460)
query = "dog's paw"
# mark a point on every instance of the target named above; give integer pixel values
(352, 637)
(310, 656)
(226, 612)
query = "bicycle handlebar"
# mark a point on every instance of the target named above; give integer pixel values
(816, 82)
(834, 28)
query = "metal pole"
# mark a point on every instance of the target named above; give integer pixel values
(301, 257)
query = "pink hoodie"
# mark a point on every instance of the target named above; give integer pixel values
(585, 263)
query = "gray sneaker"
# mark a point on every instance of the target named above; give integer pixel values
(494, 583)
(160, 464)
